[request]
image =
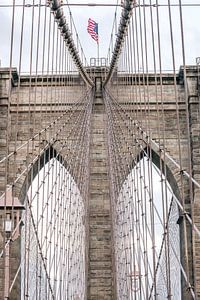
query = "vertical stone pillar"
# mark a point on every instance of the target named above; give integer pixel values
(4, 121)
(100, 273)
(4, 125)
(9, 261)
(194, 114)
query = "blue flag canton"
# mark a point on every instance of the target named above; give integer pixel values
(96, 28)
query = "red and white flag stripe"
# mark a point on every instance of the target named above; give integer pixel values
(93, 29)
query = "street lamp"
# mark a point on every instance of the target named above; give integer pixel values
(135, 278)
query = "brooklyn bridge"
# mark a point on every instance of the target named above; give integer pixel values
(99, 154)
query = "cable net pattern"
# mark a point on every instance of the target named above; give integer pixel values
(58, 270)
(145, 216)
(152, 132)
(44, 160)
(150, 118)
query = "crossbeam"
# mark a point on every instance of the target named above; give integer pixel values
(102, 5)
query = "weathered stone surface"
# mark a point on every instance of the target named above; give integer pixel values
(28, 101)
(100, 273)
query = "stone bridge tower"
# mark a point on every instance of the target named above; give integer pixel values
(101, 275)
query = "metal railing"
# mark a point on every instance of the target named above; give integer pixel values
(98, 62)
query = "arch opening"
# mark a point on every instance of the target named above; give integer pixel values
(147, 236)
(53, 238)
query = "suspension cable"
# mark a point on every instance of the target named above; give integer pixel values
(63, 26)
(122, 29)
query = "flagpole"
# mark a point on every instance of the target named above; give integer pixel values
(98, 52)
(97, 31)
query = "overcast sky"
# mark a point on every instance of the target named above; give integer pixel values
(104, 17)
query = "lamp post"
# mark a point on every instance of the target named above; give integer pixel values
(10, 208)
(135, 281)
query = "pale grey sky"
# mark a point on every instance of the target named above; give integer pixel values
(104, 17)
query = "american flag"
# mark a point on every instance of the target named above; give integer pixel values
(93, 29)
